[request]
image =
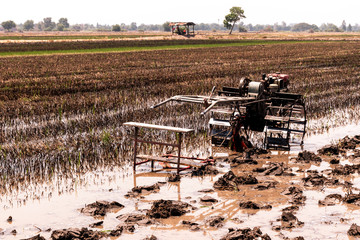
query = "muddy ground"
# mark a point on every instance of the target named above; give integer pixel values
(273, 195)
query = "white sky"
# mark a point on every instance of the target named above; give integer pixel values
(198, 11)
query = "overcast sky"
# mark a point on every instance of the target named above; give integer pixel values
(198, 11)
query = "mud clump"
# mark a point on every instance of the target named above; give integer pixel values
(334, 199)
(275, 169)
(330, 150)
(134, 218)
(100, 208)
(166, 208)
(349, 143)
(246, 234)
(96, 224)
(266, 185)
(346, 170)
(37, 237)
(136, 191)
(354, 230)
(76, 233)
(308, 157)
(192, 225)
(352, 199)
(315, 179)
(208, 201)
(252, 205)
(205, 170)
(245, 159)
(331, 200)
(291, 209)
(289, 220)
(152, 237)
(207, 190)
(229, 181)
(258, 151)
(297, 197)
(334, 161)
(215, 221)
(292, 190)
(343, 145)
(116, 232)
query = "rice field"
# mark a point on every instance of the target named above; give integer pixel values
(61, 115)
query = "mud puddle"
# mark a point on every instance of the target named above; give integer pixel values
(283, 201)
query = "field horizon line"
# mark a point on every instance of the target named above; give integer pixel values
(152, 48)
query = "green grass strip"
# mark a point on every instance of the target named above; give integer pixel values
(147, 48)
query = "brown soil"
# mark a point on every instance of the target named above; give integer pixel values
(308, 157)
(341, 147)
(252, 205)
(136, 191)
(331, 200)
(346, 169)
(207, 200)
(134, 218)
(276, 169)
(193, 226)
(315, 180)
(354, 230)
(167, 208)
(352, 199)
(76, 233)
(37, 237)
(205, 170)
(246, 233)
(289, 220)
(231, 182)
(100, 208)
(266, 185)
(215, 221)
(152, 237)
(96, 224)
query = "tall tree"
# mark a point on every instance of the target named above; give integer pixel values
(8, 25)
(64, 22)
(302, 27)
(236, 13)
(28, 25)
(116, 28)
(343, 26)
(48, 24)
(60, 27)
(349, 28)
(166, 27)
(133, 26)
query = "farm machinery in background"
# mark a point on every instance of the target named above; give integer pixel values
(260, 106)
(183, 28)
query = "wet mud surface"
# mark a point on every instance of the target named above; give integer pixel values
(276, 195)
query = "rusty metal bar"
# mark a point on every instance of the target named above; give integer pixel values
(135, 147)
(194, 158)
(179, 153)
(142, 162)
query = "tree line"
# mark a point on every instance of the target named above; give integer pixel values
(47, 24)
